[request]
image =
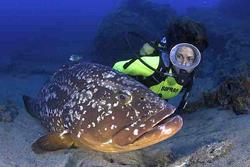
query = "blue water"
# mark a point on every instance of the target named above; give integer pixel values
(61, 24)
(58, 27)
(50, 31)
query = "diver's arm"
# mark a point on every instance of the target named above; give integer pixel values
(185, 96)
(183, 102)
(135, 67)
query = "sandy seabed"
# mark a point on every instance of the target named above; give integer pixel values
(201, 130)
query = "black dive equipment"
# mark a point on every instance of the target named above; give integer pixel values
(154, 45)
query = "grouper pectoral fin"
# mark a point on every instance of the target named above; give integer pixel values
(52, 142)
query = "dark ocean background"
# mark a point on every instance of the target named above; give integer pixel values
(40, 33)
(36, 30)
(39, 36)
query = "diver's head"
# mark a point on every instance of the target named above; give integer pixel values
(185, 57)
(185, 30)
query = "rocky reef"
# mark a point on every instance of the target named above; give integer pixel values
(233, 94)
(228, 43)
(143, 17)
(205, 155)
(226, 55)
(8, 111)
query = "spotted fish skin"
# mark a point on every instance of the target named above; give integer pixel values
(93, 103)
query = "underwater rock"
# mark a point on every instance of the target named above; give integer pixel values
(206, 154)
(8, 111)
(156, 156)
(149, 157)
(81, 158)
(144, 17)
(228, 43)
(233, 94)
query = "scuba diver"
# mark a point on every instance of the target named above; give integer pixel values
(167, 66)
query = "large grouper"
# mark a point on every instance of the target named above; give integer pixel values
(93, 106)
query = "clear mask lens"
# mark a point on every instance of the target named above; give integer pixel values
(185, 56)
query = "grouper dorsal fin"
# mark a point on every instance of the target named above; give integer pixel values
(52, 142)
(31, 106)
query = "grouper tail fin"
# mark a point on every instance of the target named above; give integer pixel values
(31, 106)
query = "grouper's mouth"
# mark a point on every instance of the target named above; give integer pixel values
(154, 129)
(161, 131)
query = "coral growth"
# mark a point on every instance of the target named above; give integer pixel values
(233, 93)
(238, 90)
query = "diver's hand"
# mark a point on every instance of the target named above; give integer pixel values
(181, 108)
(147, 49)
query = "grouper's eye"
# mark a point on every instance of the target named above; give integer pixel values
(122, 97)
(125, 97)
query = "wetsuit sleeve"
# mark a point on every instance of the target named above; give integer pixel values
(185, 96)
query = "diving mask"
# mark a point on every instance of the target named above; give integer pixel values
(185, 57)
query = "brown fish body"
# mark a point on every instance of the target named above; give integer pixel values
(94, 106)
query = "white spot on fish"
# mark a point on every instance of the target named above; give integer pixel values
(165, 130)
(81, 108)
(137, 113)
(133, 124)
(93, 105)
(89, 94)
(65, 126)
(63, 133)
(98, 119)
(142, 125)
(116, 104)
(103, 102)
(109, 106)
(127, 114)
(77, 115)
(112, 126)
(79, 134)
(135, 132)
(95, 90)
(108, 75)
(88, 80)
(108, 142)
(108, 113)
